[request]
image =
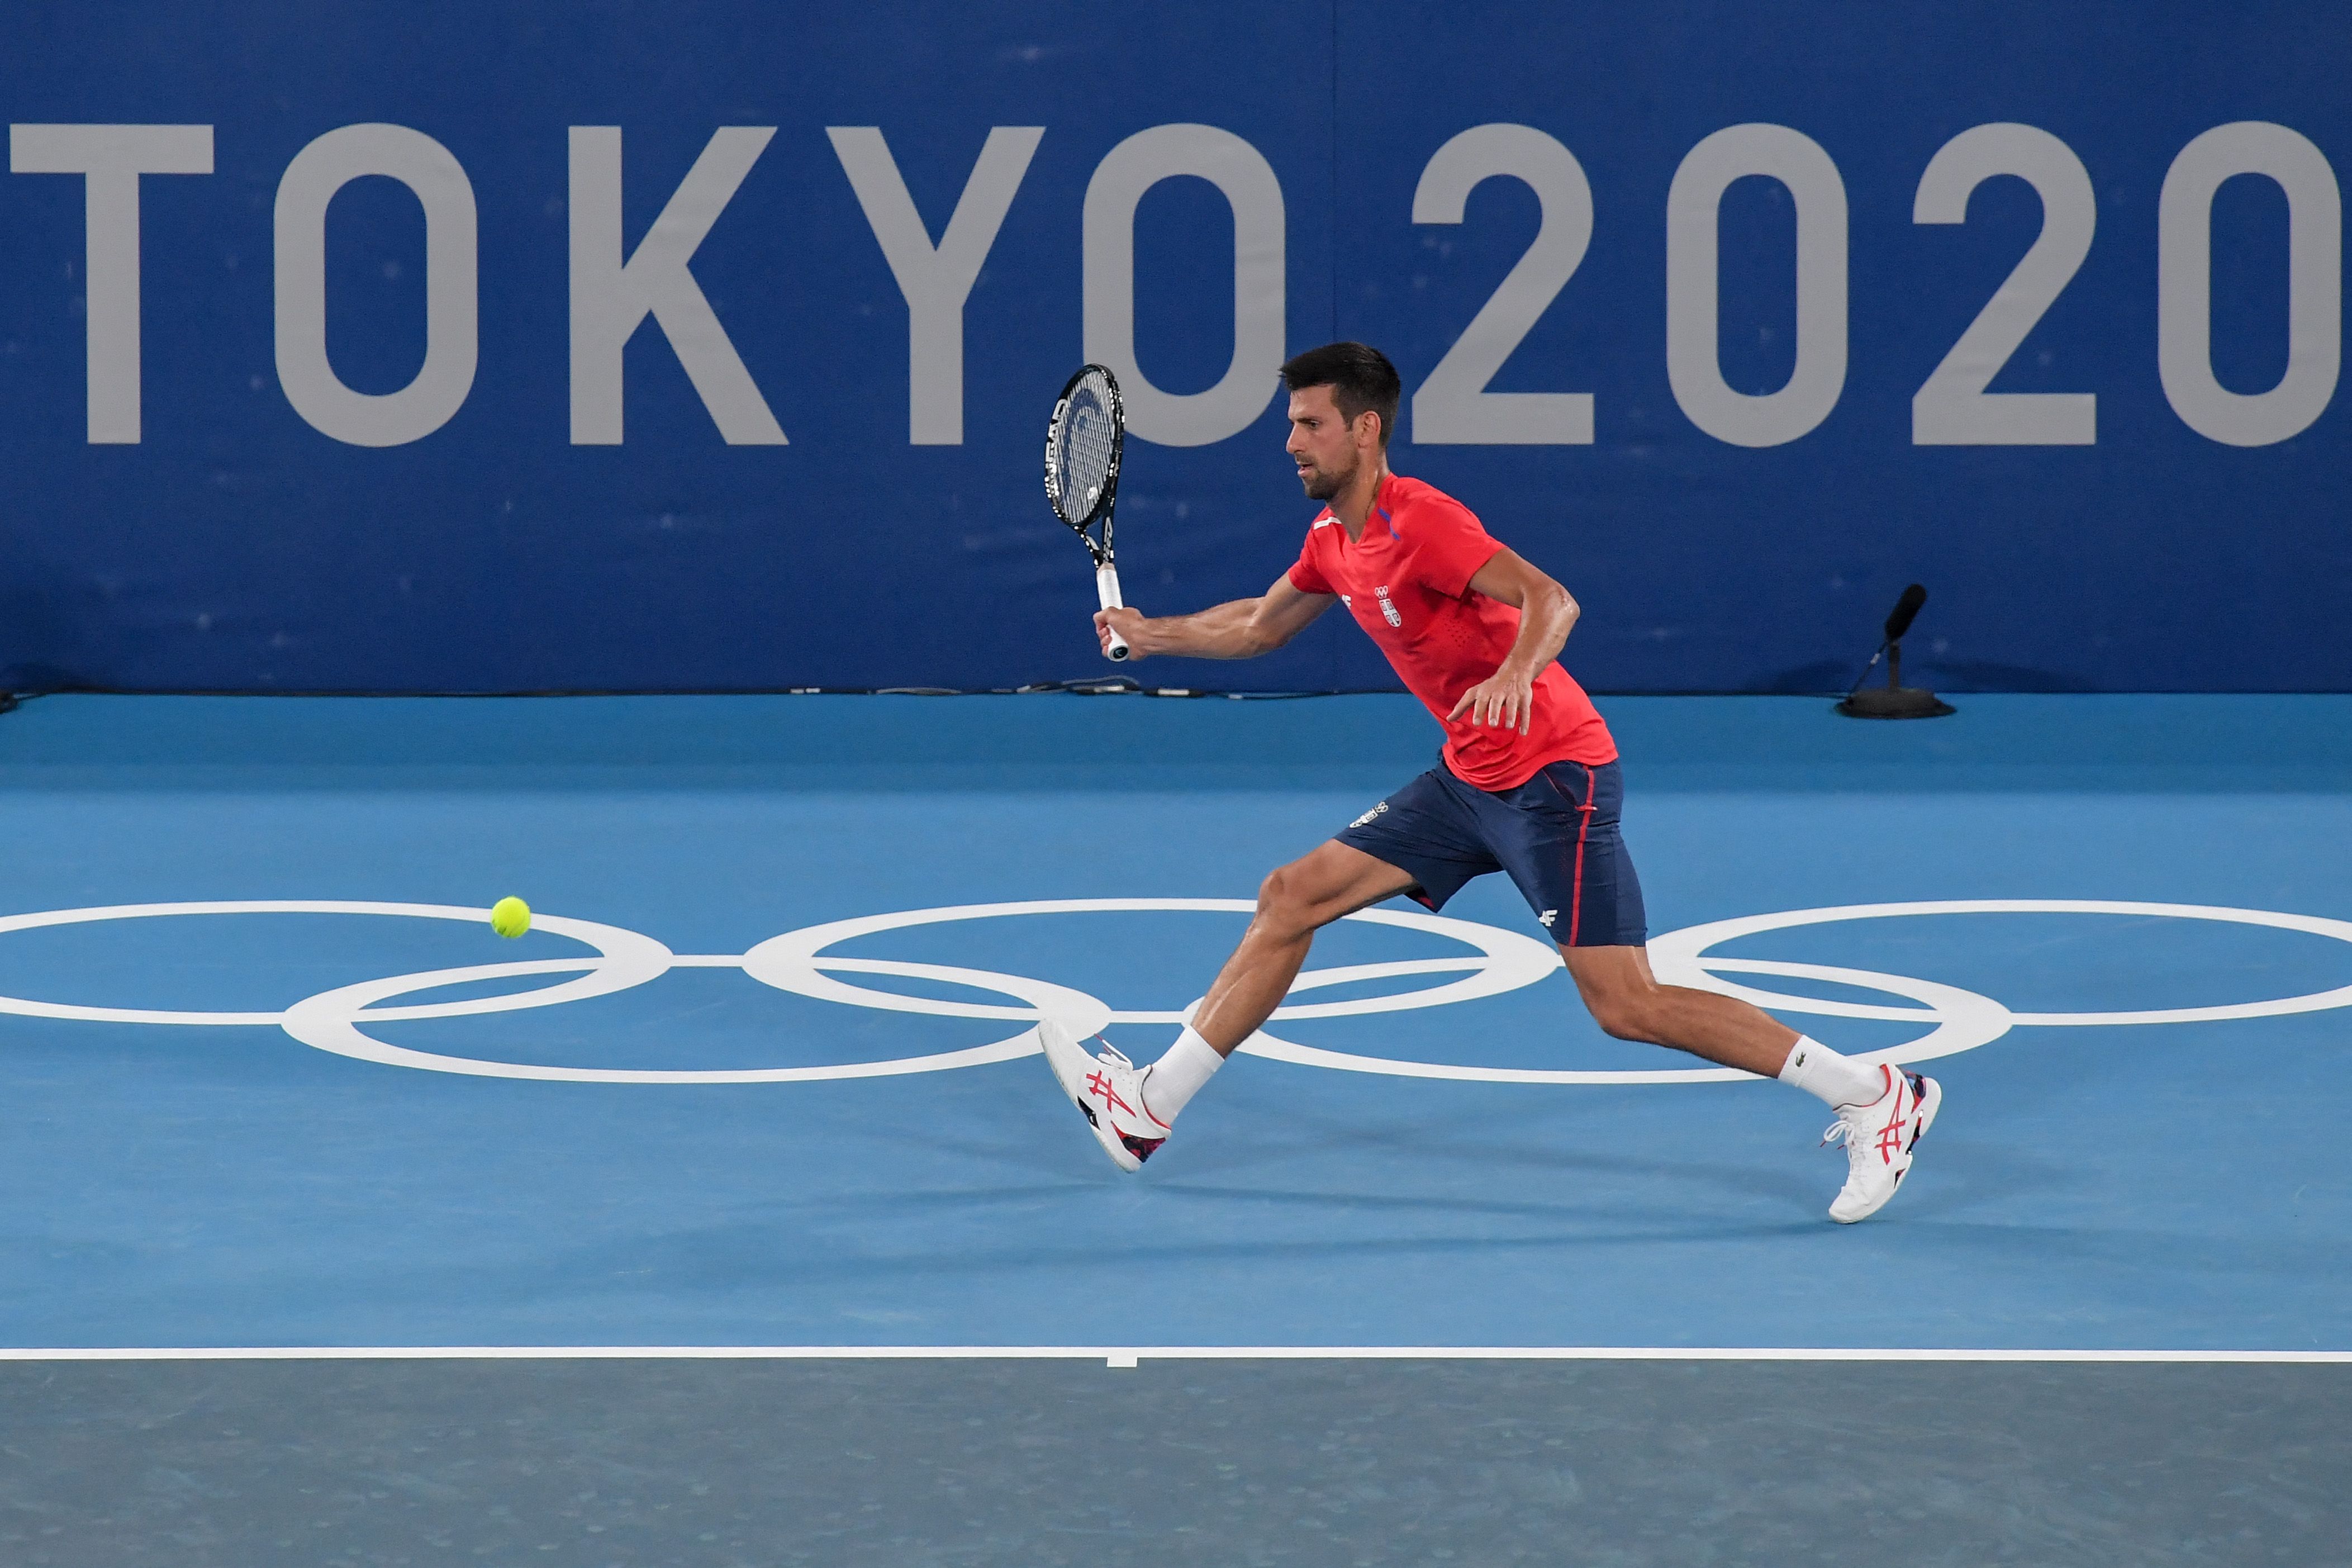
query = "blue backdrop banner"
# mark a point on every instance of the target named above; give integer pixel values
(709, 346)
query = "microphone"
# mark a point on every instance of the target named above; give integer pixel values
(1905, 609)
(1895, 700)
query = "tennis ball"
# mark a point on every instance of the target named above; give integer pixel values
(509, 916)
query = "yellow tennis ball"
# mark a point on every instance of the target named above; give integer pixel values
(509, 916)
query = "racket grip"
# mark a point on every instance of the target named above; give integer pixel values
(1107, 589)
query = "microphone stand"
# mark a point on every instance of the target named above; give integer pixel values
(1893, 700)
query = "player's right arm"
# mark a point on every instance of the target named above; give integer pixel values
(1242, 628)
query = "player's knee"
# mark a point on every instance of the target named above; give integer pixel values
(1283, 904)
(1278, 894)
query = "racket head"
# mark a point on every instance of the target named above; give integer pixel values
(1084, 442)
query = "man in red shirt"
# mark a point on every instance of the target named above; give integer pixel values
(1527, 784)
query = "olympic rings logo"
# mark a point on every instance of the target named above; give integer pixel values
(798, 962)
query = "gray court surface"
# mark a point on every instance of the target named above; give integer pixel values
(1026, 1463)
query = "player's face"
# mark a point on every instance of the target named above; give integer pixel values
(1321, 443)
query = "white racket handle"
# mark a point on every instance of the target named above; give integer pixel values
(1107, 589)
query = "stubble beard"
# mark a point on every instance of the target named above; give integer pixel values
(1322, 484)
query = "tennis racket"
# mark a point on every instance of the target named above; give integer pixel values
(1082, 450)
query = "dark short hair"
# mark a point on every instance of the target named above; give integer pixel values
(1359, 376)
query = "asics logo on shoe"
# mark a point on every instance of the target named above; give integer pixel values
(1897, 1136)
(1890, 1140)
(1099, 1083)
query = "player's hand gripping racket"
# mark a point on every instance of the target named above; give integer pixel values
(1082, 448)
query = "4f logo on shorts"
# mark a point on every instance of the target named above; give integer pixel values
(1370, 815)
(1545, 918)
(1387, 609)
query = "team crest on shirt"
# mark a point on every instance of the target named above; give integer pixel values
(1370, 815)
(1388, 610)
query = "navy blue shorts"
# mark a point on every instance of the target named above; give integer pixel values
(1557, 835)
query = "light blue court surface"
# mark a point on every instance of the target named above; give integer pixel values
(2161, 1182)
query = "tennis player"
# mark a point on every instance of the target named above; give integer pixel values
(1527, 784)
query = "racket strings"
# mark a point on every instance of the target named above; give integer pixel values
(1088, 451)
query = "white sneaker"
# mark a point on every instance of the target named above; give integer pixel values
(1879, 1138)
(1109, 1089)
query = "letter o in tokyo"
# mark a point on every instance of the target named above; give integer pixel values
(1248, 184)
(451, 336)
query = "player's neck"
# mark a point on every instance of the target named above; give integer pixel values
(1352, 505)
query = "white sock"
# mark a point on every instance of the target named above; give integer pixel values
(1835, 1081)
(1173, 1080)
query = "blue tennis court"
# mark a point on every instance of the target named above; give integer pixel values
(845, 1139)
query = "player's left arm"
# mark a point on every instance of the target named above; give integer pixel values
(1547, 615)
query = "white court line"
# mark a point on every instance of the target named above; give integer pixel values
(1129, 1356)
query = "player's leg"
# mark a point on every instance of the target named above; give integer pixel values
(1626, 1000)
(1574, 861)
(1132, 1108)
(1423, 839)
(1559, 839)
(1419, 841)
(1293, 904)
(1882, 1111)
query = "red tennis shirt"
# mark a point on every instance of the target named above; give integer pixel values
(1407, 582)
